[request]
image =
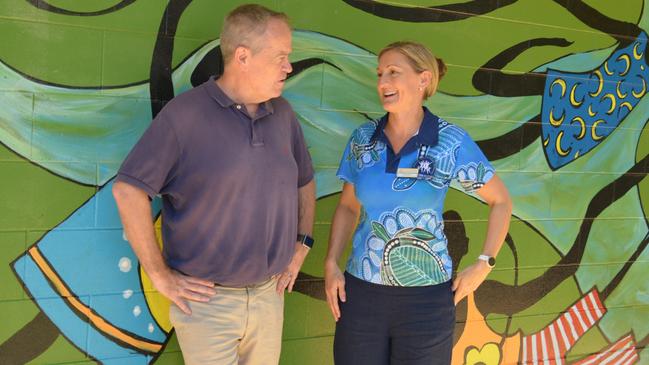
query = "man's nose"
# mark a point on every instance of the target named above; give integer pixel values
(287, 67)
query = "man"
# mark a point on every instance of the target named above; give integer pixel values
(230, 162)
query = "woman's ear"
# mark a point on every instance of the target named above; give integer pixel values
(425, 78)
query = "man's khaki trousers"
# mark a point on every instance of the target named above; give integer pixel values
(237, 326)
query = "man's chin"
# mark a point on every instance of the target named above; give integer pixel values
(277, 93)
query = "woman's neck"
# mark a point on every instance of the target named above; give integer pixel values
(405, 123)
(402, 126)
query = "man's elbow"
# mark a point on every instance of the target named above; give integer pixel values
(119, 192)
(307, 191)
(123, 192)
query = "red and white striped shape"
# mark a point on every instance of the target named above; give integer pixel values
(623, 352)
(550, 345)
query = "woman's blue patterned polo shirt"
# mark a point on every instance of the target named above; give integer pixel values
(400, 238)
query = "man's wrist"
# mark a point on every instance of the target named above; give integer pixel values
(301, 252)
(160, 274)
(305, 240)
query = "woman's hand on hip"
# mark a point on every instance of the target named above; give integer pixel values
(469, 279)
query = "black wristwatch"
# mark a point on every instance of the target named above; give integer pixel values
(491, 261)
(305, 239)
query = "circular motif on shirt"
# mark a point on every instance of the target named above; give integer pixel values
(409, 261)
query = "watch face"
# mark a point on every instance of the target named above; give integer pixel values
(492, 261)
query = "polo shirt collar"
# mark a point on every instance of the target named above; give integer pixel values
(427, 135)
(216, 93)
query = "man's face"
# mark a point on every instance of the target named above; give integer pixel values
(269, 66)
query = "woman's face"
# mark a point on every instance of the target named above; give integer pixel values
(400, 87)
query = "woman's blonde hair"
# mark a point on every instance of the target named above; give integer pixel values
(421, 59)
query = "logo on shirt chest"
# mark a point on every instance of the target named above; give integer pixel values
(425, 168)
(431, 166)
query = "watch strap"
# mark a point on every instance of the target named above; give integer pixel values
(491, 261)
(305, 239)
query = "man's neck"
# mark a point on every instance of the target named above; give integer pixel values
(231, 86)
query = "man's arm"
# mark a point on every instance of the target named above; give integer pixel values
(135, 212)
(306, 213)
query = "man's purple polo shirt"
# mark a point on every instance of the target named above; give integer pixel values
(228, 184)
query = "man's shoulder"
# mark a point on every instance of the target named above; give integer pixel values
(281, 105)
(187, 100)
(363, 133)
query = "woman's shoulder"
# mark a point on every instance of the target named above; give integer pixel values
(364, 132)
(450, 135)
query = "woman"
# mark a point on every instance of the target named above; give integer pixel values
(396, 302)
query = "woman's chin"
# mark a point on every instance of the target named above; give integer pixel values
(389, 107)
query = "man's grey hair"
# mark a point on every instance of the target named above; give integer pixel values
(244, 26)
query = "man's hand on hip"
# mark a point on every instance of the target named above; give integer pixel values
(287, 277)
(179, 288)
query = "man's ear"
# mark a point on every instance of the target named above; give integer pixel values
(242, 55)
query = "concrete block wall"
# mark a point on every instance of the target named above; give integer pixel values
(529, 80)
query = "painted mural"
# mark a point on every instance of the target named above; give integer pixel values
(553, 91)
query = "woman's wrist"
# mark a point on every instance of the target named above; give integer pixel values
(331, 262)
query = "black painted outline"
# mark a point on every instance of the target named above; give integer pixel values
(490, 79)
(44, 5)
(212, 65)
(20, 333)
(84, 318)
(517, 298)
(40, 333)
(432, 14)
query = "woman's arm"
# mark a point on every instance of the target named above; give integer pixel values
(495, 194)
(343, 224)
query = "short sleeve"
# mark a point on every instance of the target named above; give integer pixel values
(153, 161)
(347, 170)
(301, 155)
(472, 168)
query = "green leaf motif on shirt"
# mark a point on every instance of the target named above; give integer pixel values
(380, 231)
(375, 155)
(420, 234)
(410, 262)
(481, 172)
